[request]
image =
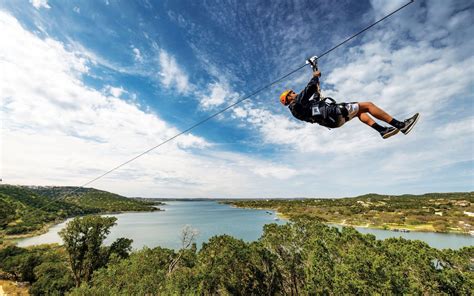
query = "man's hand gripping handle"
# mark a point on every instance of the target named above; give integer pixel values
(313, 61)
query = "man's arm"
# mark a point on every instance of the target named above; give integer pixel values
(310, 89)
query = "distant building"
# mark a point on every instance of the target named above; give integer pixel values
(462, 203)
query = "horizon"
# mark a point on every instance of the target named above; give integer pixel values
(89, 85)
(248, 198)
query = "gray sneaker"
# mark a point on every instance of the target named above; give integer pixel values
(388, 132)
(410, 123)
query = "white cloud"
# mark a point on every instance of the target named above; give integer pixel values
(115, 91)
(217, 93)
(240, 112)
(77, 9)
(383, 8)
(40, 3)
(43, 97)
(171, 75)
(277, 172)
(137, 54)
(457, 129)
(58, 131)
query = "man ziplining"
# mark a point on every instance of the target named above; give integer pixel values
(326, 112)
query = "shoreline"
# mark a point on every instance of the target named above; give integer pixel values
(44, 229)
(401, 228)
(279, 215)
(47, 226)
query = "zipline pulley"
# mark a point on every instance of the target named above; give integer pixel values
(313, 62)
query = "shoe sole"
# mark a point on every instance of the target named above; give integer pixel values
(392, 133)
(412, 125)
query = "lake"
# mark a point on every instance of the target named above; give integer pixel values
(209, 218)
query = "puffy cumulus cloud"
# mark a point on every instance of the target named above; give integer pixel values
(58, 131)
(40, 3)
(44, 100)
(217, 94)
(171, 75)
(425, 79)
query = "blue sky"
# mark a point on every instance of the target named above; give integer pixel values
(87, 85)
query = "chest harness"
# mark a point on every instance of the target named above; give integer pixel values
(325, 111)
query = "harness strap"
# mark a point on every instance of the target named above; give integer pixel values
(344, 111)
(341, 106)
(330, 99)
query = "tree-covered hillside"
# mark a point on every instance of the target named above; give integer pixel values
(94, 199)
(26, 209)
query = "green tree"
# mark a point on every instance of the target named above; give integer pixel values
(83, 238)
(225, 266)
(143, 273)
(121, 247)
(19, 263)
(286, 243)
(53, 278)
(268, 279)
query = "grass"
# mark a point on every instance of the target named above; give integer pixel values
(12, 288)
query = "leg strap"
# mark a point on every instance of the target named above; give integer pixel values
(344, 111)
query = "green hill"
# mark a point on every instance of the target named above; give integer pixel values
(90, 198)
(24, 209)
(440, 212)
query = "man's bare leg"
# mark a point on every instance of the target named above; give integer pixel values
(375, 111)
(385, 132)
(369, 107)
(365, 119)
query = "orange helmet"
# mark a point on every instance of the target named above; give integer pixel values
(283, 97)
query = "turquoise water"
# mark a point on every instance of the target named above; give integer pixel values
(210, 218)
(164, 228)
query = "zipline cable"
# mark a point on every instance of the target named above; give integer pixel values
(237, 102)
(193, 126)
